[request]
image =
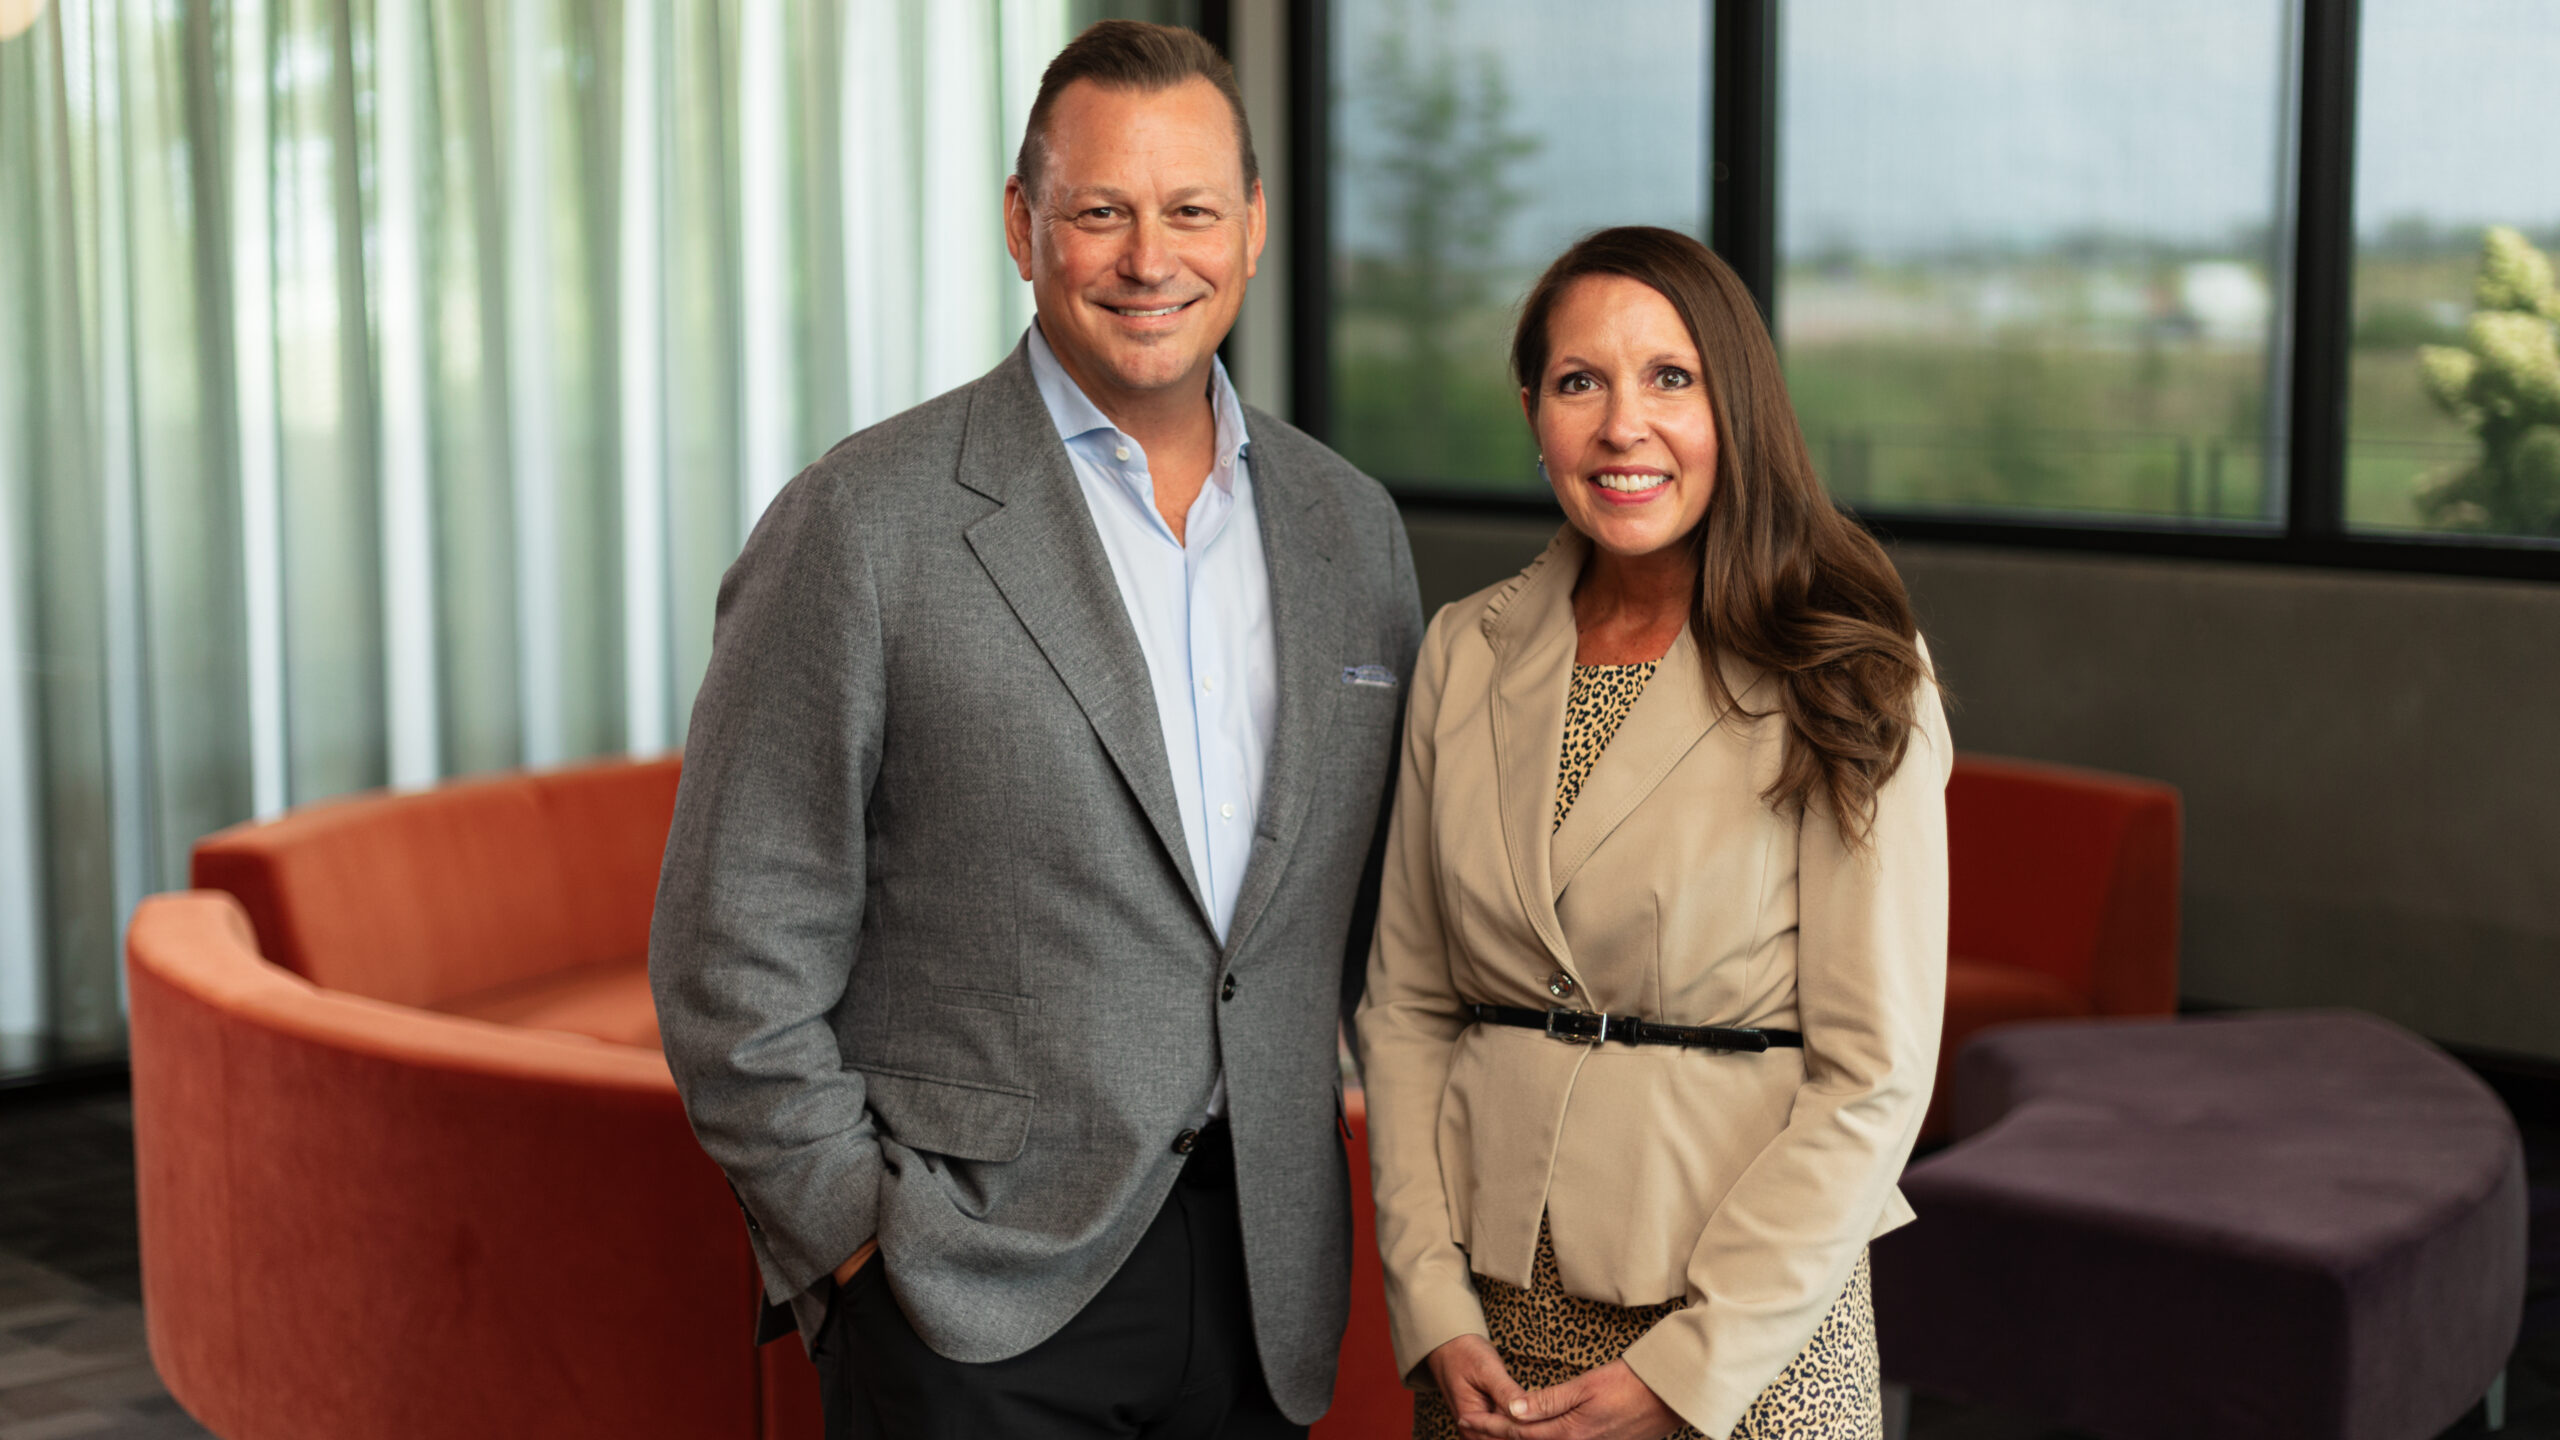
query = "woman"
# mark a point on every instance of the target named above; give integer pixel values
(1686, 770)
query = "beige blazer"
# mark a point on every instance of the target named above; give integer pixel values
(1749, 1183)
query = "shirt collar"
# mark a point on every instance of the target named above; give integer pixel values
(1078, 418)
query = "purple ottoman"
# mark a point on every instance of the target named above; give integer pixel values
(2301, 1224)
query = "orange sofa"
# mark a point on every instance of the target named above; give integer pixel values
(2063, 901)
(409, 1162)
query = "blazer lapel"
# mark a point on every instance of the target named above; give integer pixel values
(1045, 556)
(1532, 636)
(1300, 532)
(1668, 721)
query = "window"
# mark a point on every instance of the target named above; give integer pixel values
(2195, 277)
(2456, 172)
(1474, 140)
(2029, 255)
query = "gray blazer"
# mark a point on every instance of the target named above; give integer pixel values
(929, 959)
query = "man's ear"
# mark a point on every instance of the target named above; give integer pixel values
(1017, 224)
(1257, 221)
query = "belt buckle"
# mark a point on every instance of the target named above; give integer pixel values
(1575, 1036)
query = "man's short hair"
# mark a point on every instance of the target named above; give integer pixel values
(1130, 55)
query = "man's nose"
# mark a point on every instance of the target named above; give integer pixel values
(1148, 260)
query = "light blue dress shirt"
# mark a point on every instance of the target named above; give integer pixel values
(1202, 608)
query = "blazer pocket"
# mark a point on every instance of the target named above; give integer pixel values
(997, 1000)
(958, 1034)
(1365, 705)
(949, 1117)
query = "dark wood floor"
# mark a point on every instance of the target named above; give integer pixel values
(72, 1359)
(73, 1363)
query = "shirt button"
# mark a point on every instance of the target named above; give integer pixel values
(1210, 683)
(1561, 985)
(1227, 812)
(1120, 453)
(1183, 1142)
(1228, 990)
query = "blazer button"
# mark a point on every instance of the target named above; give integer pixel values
(1183, 1142)
(1228, 990)
(1561, 985)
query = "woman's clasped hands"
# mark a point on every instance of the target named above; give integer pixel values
(1606, 1403)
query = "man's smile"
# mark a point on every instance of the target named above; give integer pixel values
(1134, 313)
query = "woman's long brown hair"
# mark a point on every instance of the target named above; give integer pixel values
(1785, 581)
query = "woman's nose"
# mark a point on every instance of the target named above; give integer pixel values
(1623, 426)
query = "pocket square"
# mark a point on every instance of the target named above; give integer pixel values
(1375, 676)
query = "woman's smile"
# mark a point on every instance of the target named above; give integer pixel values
(1629, 486)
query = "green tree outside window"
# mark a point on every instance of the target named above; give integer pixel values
(2503, 384)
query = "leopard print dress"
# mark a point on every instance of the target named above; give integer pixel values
(1830, 1391)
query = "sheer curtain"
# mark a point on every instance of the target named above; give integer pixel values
(385, 383)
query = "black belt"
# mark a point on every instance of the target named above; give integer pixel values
(1592, 1028)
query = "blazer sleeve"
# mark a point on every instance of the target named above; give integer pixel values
(1408, 1024)
(761, 894)
(1871, 962)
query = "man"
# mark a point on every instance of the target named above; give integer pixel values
(1026, 834)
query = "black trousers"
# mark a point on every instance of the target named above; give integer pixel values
(1164, 1352)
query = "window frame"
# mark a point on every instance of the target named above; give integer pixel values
(1743, 74)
